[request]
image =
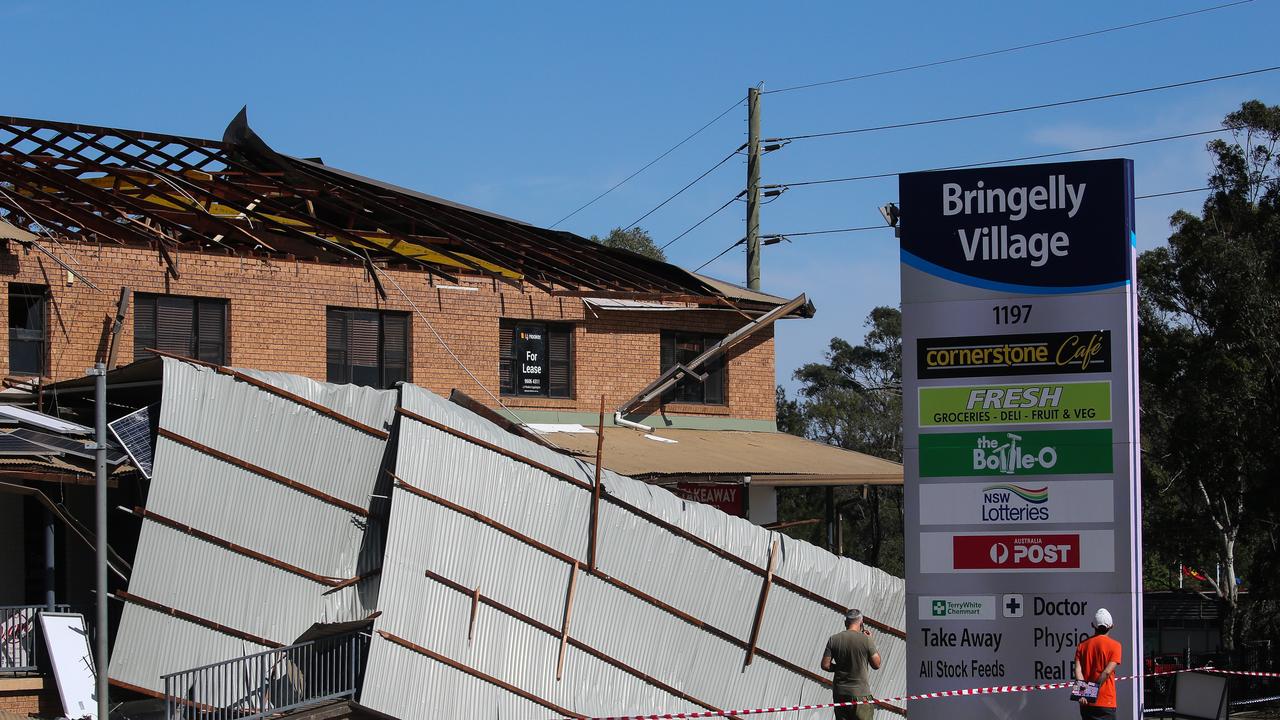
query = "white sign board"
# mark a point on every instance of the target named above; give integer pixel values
(1020, 431)
(71, 656)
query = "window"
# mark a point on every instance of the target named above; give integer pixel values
(28, 308)
(535, 359)
(367, 347)
(187, 326)
(683, 347)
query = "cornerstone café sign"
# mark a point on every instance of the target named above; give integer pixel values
(1022, 519)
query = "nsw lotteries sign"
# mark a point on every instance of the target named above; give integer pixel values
(1020, 408)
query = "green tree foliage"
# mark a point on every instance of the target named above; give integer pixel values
(1210, 344)
(853, 401)
(637, 240)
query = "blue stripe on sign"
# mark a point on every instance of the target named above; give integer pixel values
(937, 270)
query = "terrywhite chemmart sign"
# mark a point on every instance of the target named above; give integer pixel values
(1019, 324)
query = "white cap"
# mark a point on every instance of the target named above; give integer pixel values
(1102, 618)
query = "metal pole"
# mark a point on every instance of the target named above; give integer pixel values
(50, 550)
(100, 513)
(753, 188)
(830, 503)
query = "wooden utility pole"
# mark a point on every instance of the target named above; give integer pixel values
(753, 188)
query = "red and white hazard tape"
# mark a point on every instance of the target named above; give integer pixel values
(967, 692)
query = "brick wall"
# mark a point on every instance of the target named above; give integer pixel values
(277, 322)
(29, 697)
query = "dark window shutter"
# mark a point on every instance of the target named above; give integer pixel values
(363, 341)
(560, 360)
(336, 345)
(506, 378)
(211, 331)
(714, 387)
(175, 325)
(144, 325)
(395, 349)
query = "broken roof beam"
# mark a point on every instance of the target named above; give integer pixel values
(164, 171)
(14, 121)
(496, 253)
(551, 244)
(672, 375)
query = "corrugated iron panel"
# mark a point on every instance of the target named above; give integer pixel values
(424, 535)
(150, 643)
(239, 506)
(418, 688)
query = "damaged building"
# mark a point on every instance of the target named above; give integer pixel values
(393, 510)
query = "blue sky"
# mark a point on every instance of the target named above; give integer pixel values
(532, 109)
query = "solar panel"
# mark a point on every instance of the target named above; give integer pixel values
(40, 420)
(10, 445)
(70, 446)
(136, 432)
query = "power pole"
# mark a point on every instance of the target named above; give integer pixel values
(99, 371)
(753, 188)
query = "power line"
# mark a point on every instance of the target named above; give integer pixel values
(1025, 108)
(650, 163)
(708, 217)
(722, 252)
(1002, 51)
(828, 232)
(1021, 158)
(686, 187)
(1261, 181)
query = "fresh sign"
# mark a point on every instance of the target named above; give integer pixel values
(1004, 404)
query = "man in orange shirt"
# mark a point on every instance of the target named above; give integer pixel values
(1096, 662)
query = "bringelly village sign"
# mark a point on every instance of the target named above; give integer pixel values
(1020, 428)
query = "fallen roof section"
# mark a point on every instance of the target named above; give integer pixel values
(770, 458)
(502, 579)
(510, 590)
(258, 511)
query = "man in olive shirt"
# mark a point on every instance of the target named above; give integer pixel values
(847, 655)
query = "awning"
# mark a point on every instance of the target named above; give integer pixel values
(769, 458)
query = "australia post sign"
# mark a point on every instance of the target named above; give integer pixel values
(1020, 418)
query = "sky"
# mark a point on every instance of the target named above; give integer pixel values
(531, 110)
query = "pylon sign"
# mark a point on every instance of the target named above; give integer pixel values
(1020, 402)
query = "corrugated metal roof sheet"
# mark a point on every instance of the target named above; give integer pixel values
(236, 505)
(661, 626)
(426, 536)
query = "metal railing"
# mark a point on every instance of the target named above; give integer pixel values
(19, 626)
(268, 682)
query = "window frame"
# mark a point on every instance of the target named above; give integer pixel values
(389, 373)
(716, 366)
(507, 375)
(39, 293)
(143, 301)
